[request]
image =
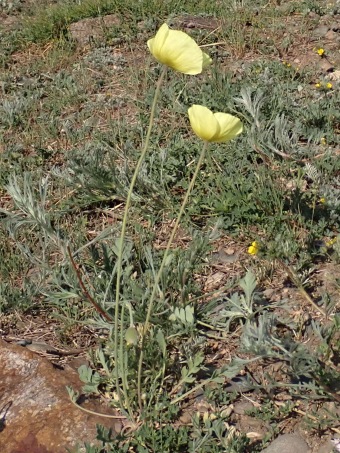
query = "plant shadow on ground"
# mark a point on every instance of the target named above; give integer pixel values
(72, 121)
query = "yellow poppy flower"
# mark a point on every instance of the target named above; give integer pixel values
(177, 50)
(213, 127)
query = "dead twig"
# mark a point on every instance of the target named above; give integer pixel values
(88, 296)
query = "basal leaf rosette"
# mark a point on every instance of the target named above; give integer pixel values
(178, 51)
(214, 127)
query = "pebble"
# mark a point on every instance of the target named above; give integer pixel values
(238, 385)
(241, 407)
(288, 443)
(320, 32)
(331, 35)
(335, 26)
(326, 447)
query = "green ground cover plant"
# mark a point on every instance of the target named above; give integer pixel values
(115, 209)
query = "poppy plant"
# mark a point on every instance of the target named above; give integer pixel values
(178, 51)
(213, 127)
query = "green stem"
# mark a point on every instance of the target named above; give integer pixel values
(123, 232)
(160, 271)
(122, 360)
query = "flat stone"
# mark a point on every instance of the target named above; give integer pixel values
(331, 35)
(206, 23)
(288, 443)
(241, 407)
(320, 32)
(37, 414)
(326, 66)
(93, 28)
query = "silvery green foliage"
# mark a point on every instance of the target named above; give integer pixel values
(259, 337)
(240, 305)
(12, 110)
(252, 103)
(31, 211)
(312, 173)
(264, 339)
(10, 6)
(183, 315)
(104, 57)
(276, 135)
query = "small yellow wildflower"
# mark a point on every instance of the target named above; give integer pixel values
(178, 50)
(322, 200)
(331, 242)
(318, 85)
(288, 65)
(323, 141)
(253, 248)
(320, 52)
(329, 85)
(213, 127)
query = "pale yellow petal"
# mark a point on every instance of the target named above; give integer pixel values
(206, 60)
(177, 50)
(230, 127)
(155, 44)
(203, 122)
(180, 52)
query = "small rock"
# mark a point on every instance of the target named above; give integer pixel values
(92, 28)
(335, 26)
(320, 32)
(287, 443)
(225, 256)
(206, 23)
(37, 414)
(214, 281)
(241, 407)
(254, 426)
(331, 35)
(186, 418)
(268, 292)
(238, 384)
(334, 75)
(326, 66)
(326, 447)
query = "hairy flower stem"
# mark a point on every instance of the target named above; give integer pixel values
(160, 271)
(118, 359)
